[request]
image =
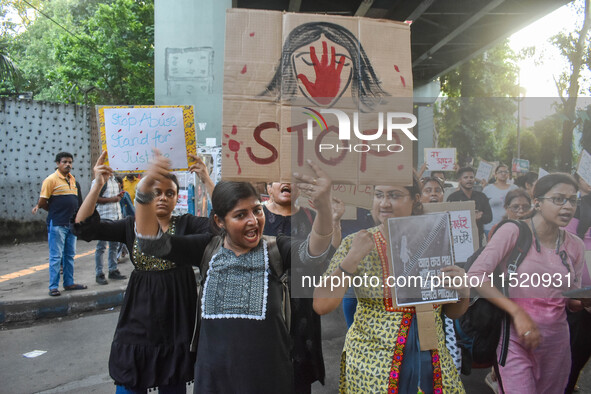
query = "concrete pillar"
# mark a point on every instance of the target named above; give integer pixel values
(189, 59)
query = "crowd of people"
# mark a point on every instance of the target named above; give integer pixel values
(233, 327)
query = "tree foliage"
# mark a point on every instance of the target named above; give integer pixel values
(478, 111)
(89, 51)
(574, 47)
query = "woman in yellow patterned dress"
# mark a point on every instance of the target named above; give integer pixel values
(382, 353)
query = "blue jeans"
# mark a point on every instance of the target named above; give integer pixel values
(62, 248)
(112, 257)
(179, 388)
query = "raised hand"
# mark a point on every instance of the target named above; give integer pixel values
(328, 75)
(157, 172)
(102, 172)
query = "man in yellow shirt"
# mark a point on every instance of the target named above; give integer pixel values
(59, 196)
(129, 184)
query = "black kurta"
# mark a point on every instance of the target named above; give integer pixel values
(151, 343)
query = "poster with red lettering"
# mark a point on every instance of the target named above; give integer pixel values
(440, 159)
(335, 90)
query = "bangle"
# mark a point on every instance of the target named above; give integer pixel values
(322, 236)
(345, 272)
(144, 197)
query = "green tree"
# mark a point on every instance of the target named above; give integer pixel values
(89, 51)
(573, 46)
(478, 112)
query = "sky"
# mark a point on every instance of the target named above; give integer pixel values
(538, 78)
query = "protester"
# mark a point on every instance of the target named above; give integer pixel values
(381, 352)
(466, 193)
(517, 206)
(151, 343)
(282, 217)
(580, 322)
(243, 343)
(127, 209)
(527, 182)
(538, 359)
(129, 184)
(60, 196)
(496, 193)
(431, 190)
(108, 207)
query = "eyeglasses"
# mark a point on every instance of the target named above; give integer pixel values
(391, 195)
(502, 172)
(561, 200)
(517, 207)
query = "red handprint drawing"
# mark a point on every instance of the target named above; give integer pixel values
(328, 75)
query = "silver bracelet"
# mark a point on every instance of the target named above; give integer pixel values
(144, 198)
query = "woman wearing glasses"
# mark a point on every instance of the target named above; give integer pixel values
(382, 351)
(496, 193)
(539, 357)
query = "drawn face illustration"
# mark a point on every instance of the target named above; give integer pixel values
(323, 70)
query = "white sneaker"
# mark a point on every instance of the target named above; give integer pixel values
(494, 386)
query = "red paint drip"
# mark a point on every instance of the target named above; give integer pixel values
(234, 130)
(227, 155)
(251, 34)
(243, 71)
(400, 167)
(403, 81)
(396, 68)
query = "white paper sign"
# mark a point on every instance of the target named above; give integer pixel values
(484, 171)
(542, 173)
(461, 232)
(183, 202)
(584, 169)
(132, 133)
(440, 159)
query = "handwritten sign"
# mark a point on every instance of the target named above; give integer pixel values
(463, 226)
(520, 165)
(129, 135)
(419, 246)
(354, 195)
(440, 159)
(584, 167)
(484, 171)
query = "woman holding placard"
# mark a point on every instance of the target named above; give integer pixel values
(381, 352)
(538, 357)
(243, 335)
(151, 343)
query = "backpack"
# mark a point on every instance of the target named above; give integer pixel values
(480, 329)
(275, 263)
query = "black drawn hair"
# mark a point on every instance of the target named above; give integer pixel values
(365, 85)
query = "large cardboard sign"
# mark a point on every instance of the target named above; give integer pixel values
(283, 71)
(463, 226)
(419, 246)
(440, 159)
(130, 133)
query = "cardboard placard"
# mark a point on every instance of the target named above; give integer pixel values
(419, 247)
(281, 70)
(463, 226)
(440, 159)
(353, 195)
(584, 167)
(485, 170)
(520, 166)
(130, 133)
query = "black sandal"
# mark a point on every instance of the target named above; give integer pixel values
(54, 292)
